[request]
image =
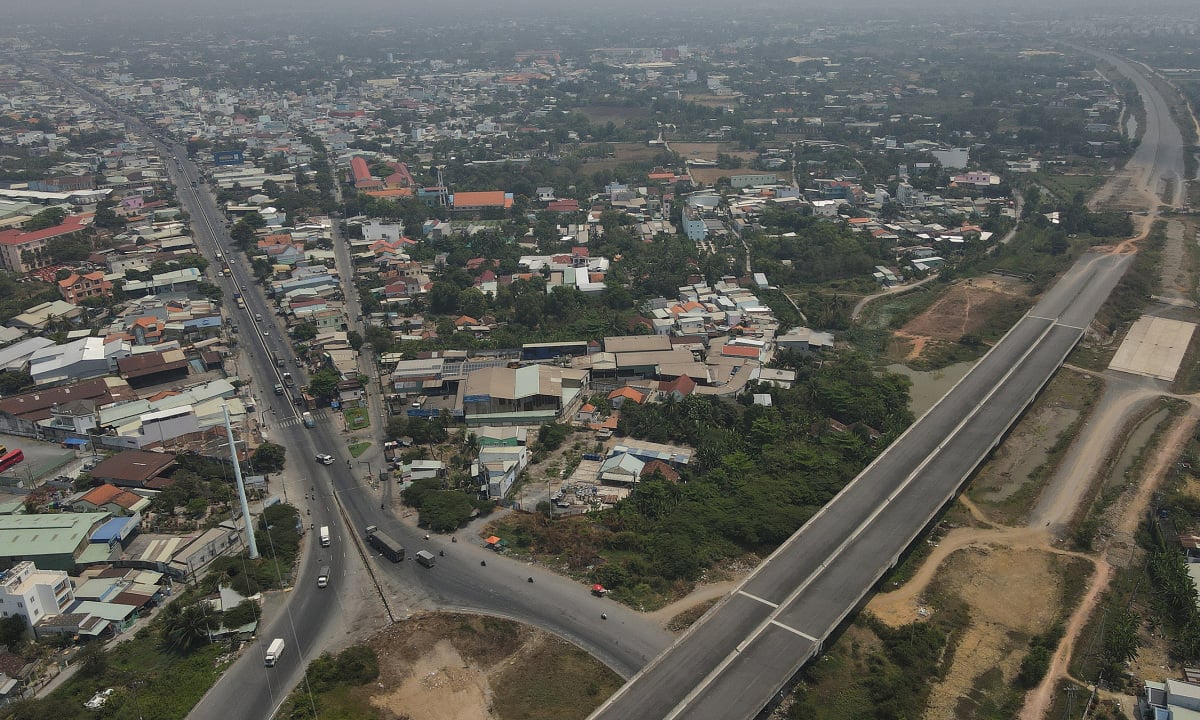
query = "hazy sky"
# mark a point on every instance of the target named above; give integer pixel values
(568, 8)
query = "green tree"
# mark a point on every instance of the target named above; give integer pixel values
(68, 249)
(47, 218)
(14, 381)
(1121, 641)
(471, 301)
(304, 331)
(93, 660)
(13, 631)
(381, 338)
(443, 297)
(323, 384)
(210, 290)
(107, 218)
(446, 510)
(269, 457)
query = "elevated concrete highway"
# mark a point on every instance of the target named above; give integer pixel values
(738, 657)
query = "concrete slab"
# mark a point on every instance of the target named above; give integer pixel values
(1154, 348)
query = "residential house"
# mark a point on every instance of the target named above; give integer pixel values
(75, 287)
(110, 498)
(624, 394)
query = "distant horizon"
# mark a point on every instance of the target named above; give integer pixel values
(352, 11)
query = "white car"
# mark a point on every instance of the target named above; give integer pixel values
(325, 458)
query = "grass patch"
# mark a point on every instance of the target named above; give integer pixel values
(685, 619)
(1064, 187)
(359, 448)
(895, 310)
(553, 680)
(357, 418)
(169, 683)
(873, 670)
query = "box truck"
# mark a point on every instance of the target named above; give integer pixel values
(323, 577)
(390, 549)
(274, 650)
(324, 536)
(424, 557)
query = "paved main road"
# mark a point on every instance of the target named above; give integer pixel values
(732, 663)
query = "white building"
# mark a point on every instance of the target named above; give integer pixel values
(33, 594)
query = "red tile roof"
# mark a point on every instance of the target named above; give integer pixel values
(70, 224)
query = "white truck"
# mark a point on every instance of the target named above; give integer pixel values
(425, 558)
(324, 536)
(274, 650)
(323, 577)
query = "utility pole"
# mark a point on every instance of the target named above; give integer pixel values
(241, 486)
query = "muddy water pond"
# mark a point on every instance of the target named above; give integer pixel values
(928, 386)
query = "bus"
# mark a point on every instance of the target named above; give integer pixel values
(11, 458)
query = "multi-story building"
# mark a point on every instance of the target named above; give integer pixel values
(76, 287)
(22, 251)
(32, 594)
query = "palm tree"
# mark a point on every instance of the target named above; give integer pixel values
(187, 626)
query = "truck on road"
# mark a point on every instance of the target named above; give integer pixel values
(274, 650)
(324, 536)
(323, 577)
(390, 549)
(424, 557)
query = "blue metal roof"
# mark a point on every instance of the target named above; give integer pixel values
(110, 531)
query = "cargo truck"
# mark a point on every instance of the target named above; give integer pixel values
(324, 536)
(323, 577)
(274, 650)
(390, 549)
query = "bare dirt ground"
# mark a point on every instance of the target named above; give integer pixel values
(445, 666)
(997, 638)
(440, 686)
(962, 310)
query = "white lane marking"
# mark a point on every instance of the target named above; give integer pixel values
(758, 599)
